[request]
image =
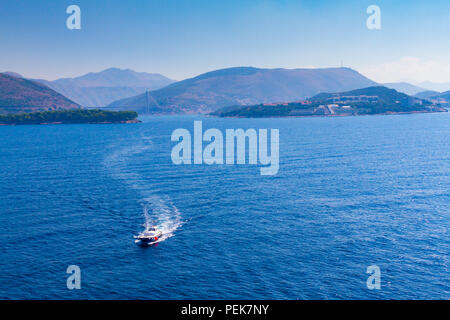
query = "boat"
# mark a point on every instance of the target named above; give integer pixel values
(150, 236)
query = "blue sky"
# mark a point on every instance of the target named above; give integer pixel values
(182, 39)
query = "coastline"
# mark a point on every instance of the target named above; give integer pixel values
(57, 123)
(444, 110)
(79, 116)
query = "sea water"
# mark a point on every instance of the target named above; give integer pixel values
(351, 192)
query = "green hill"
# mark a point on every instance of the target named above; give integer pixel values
(21, 95)
(371, 100)
(376, 99)
(70, 116)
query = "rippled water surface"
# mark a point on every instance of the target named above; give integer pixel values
(351, 192)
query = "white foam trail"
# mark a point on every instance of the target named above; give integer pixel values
(156, 210)
(163, 214)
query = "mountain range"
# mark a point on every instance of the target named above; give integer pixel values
(98, 89)
(442, 98)
(427, 94)
(118, 89)
(405, 87)
(241, 86)
(22, 95)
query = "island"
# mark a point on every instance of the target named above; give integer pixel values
(72, 116)
(367, 101)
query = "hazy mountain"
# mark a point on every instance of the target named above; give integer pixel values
(101, 88)
(404, 87)
(434, 86)
(242, 86)
(13, 74)
(443, 97)
(427, 94)
(436, 97)
(22, 95)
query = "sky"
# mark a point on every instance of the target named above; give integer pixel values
(184, 38)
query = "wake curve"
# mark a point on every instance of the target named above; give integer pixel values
(157, 210)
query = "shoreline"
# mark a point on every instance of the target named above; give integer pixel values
(57, 123)
(235, 117)
(334, 115)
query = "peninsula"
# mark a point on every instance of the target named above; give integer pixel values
(71, 116)
(367, 101)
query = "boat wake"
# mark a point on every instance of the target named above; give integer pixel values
(162, 214)
(158, 210)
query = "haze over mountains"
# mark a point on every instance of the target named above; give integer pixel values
(427, 94)
(202, 94)
(240, 86)
(442, 98)
(405, 87)
(435, 86)
(22, 95)
(98, 89)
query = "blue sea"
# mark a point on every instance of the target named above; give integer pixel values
(351, 192)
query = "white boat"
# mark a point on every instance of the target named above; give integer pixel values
(150, 236)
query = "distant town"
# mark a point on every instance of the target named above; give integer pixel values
(372, 100)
